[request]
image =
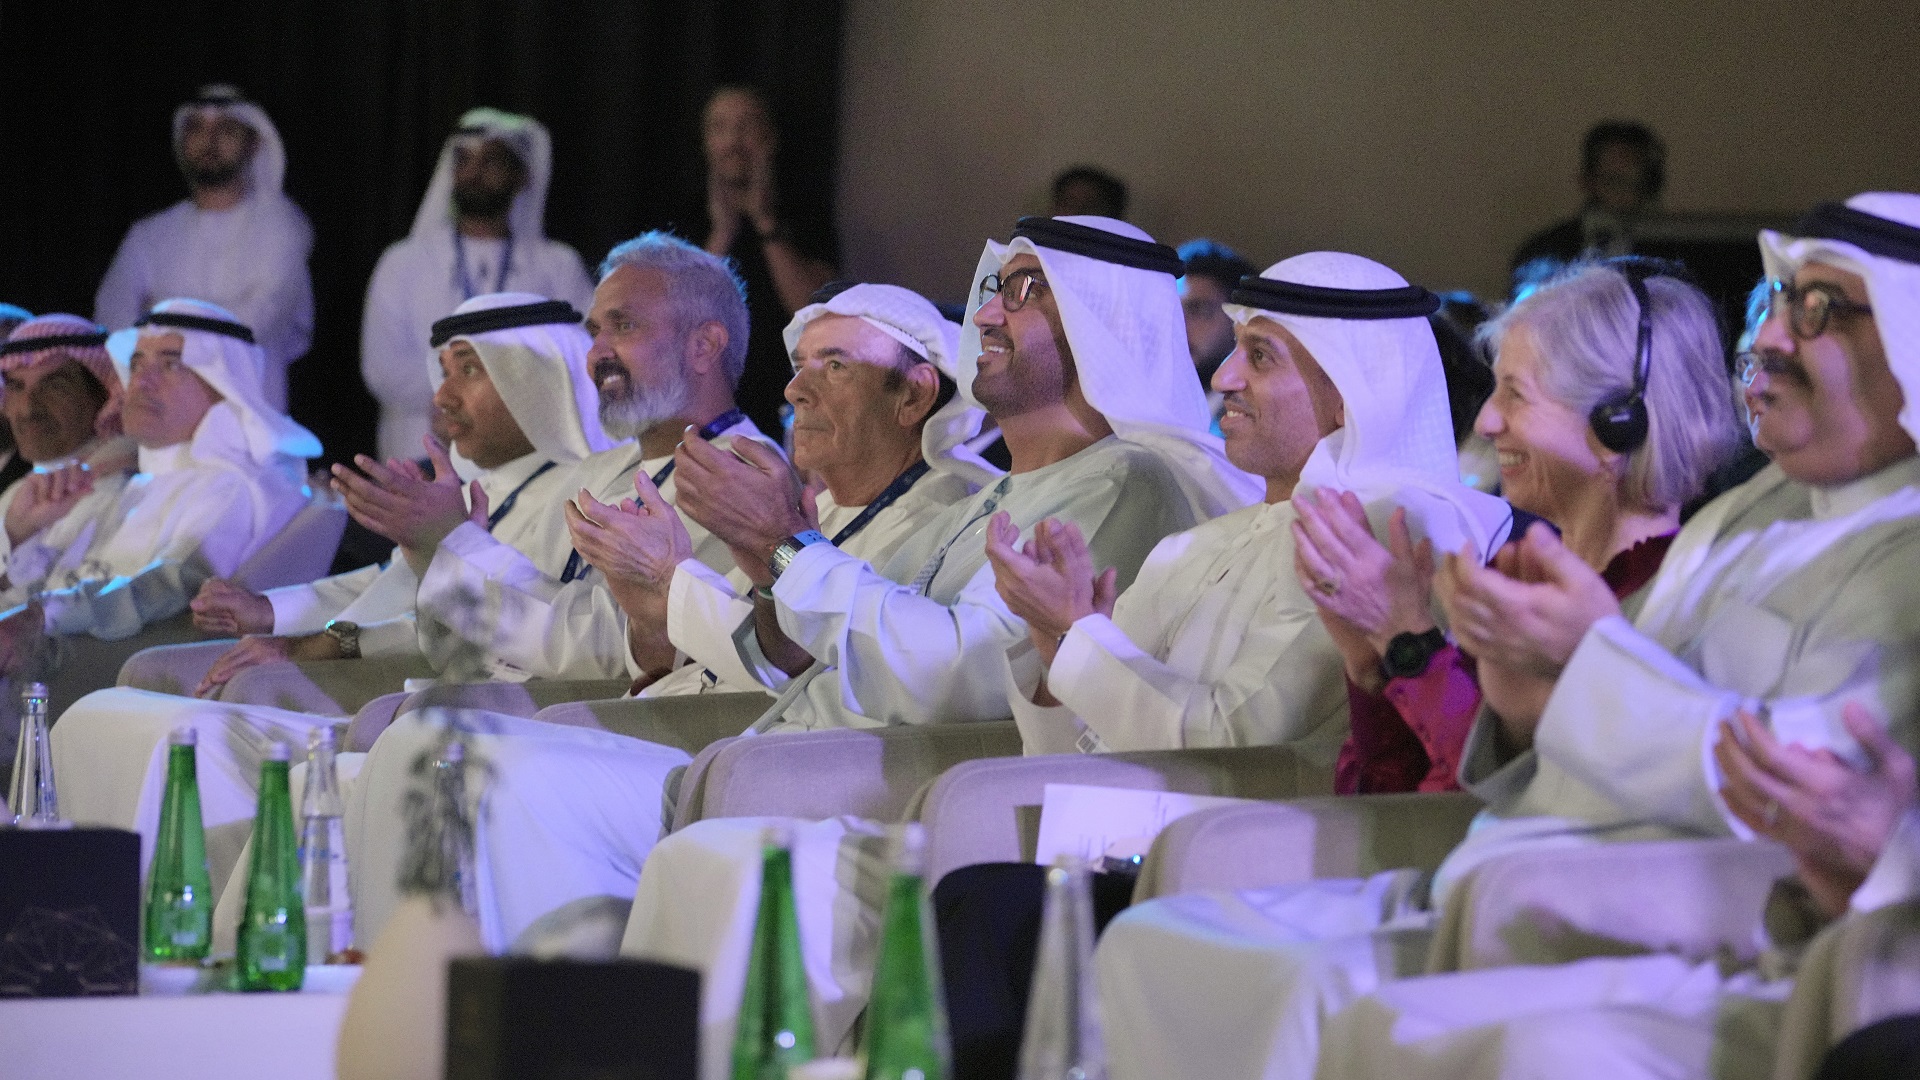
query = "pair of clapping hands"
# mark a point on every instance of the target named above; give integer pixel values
(1520, 617)
(742, 492)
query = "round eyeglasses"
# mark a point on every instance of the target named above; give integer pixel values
(1014, 290)
(1810, 307)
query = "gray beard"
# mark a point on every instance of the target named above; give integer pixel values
(641, 411)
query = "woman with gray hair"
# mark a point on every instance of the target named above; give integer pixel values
(1609, 412)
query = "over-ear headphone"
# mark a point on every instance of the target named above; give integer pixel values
(1620, 422)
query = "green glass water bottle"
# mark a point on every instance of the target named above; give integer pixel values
(273, 928)
(776, 1022)
(178, 923)
(906, 1023)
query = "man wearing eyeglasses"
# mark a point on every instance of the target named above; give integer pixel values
(1789, 597)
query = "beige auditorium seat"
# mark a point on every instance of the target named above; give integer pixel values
(814, 775)
(300, 552)
(1261, 844)
(988, 811)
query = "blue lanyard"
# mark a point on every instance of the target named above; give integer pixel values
(901, 484)
(514, 496)
(577, 566)
(465, 284)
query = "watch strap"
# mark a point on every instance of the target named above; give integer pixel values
(1409, 655)
(791, 547)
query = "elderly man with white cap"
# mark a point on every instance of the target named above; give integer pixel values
(515, 397)
(520, 405)
(1787, 598)
(236, 240)
(221, 472)
(480, 229)
(878, 420)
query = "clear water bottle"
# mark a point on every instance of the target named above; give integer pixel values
(34, 802)
(323, 852)
(1062, 1040)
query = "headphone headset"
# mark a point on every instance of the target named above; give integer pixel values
(1620, 421)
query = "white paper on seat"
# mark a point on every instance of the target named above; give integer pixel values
(1092, 822)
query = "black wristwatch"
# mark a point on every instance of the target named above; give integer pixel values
(1408, 655)
(791, 546)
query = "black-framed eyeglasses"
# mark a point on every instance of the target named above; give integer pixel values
(1811, 306)
(1014, 290)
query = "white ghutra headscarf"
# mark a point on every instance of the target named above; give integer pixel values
(913, 321)
(1129, 344)
(1368, 330)
(535, 352)
(1875, 235)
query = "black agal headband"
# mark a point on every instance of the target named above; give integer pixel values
(1322, 302)
(1076, 239)
(1875, 235)
(181, 321)
(544, 313)
(53, 341)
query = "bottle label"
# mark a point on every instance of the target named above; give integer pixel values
(270, 949)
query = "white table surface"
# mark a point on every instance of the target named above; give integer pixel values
(171, 1037)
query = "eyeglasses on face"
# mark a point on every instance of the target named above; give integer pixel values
(1810, 307)
(1014, 290)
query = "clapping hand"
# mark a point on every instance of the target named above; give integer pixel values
(633, 542)
(1050, 582)
(1367, 593)
(1530, 609)
(397, 501)
(1834, 817)
(746, 494)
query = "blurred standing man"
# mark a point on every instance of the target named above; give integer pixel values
(1623, 167)
(1209, 271)
(481, 229)
(236, 240)
(782, 254)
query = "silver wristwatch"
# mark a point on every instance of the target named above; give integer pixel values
(346, 635)
(783, 555)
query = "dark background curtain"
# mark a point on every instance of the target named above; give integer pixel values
(364, 92)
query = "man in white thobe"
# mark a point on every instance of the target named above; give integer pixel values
(480, 229)
(879, 420)
(236, 240)
(588, 809)
(63, 401)
(1335, 383)
(221, 472)
(519, 403)
(1789, 595)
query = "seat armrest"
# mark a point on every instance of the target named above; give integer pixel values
(1262, 844)
(814, 775)
(1693, 898)
(981, 811)
(522, 699)
(689, 723)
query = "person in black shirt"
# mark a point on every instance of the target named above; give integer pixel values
(1623, 166)
(782, 251)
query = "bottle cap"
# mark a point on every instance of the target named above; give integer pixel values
(185, 735)
(279, 752)
(34, 690)
(320, 737)
(907, 844)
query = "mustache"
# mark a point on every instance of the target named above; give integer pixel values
(996, 335)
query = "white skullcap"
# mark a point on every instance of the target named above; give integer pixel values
(913, 321)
